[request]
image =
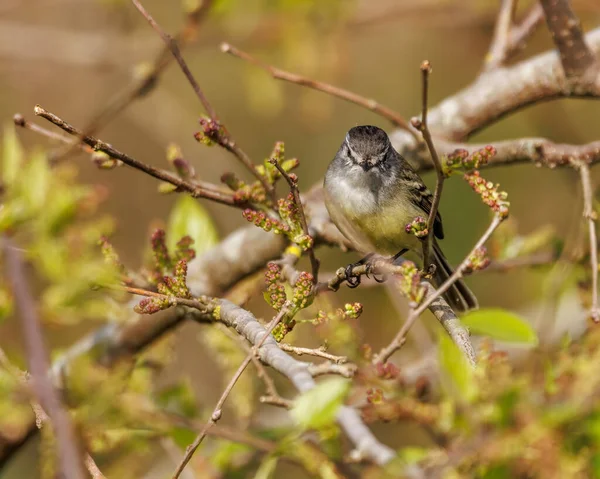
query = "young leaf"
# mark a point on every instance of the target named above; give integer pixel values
(189, 218)
(318, 407)
(457, 369)
(501, 325)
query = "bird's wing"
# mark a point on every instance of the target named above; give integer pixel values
(421, 196)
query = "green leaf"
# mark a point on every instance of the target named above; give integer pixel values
(501, 325)
(458, 371)
(318, 407)
(190, 218)
(12, 155)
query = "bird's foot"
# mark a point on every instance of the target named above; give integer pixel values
(352, 279)
(429, 271)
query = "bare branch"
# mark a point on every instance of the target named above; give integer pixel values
(69, 454)
(319, 352)
(520, 33)
(225, 139)
(297, 372)
(590, 216)
(400, 337)
(501, 92)
(194, 189)
(576, 57)
(439, 184)
(347, 370)
(278, 74)
(218, 410)
(500, 43)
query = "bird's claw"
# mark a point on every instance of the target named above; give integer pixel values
(352, 279)
(429, 271)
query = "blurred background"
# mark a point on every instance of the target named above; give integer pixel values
(74, 56)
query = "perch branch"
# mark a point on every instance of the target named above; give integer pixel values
(278, 74)
(69, 454)
(400, 338)
(225, 139)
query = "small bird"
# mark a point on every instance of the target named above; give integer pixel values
(372, 193)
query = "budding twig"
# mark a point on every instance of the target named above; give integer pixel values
(422, 126)
(390, 115)
(194, 189)
(293, 184)
(225, 139)
(400, 337)
(590, 216)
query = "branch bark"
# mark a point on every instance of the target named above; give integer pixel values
(576, 57)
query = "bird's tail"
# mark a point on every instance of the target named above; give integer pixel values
(459, 296)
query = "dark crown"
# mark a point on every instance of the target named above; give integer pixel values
(368, 140)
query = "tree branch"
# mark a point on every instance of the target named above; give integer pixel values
(539, 151)
(293, 184)
(69, 454)
(278, 74)
(500, 43)
(225, 139)
(194, 189)
(400, 337)
(501, 92)
(439, 184)
(218, 410)
(575, 56)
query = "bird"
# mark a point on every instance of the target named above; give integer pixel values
(372, 193)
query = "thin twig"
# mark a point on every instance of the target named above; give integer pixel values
(217, 411)
(521, 32)
(390, 115)
(146, 82)
(293, 184)
(276, 400)
(69, 454)
(194, 189)
(20, 120)
(591, 216)
(173, 300)
(347, 370)
(318, 352)
(500, 43)
(93, 468)
(400, 337)
(421, 125)
(225, 139)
